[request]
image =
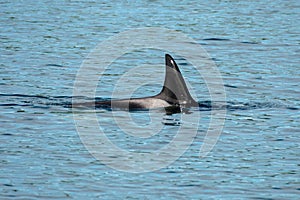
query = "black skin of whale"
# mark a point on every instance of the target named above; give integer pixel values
(173, 97)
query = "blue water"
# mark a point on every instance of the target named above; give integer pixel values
(255, 45)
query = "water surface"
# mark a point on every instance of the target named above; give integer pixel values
(255, 45)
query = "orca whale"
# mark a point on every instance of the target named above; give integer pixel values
(174, 94)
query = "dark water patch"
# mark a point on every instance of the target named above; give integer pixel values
(7, 134)
(171, 172)
(216, 39)
(183, 63)
(9, 104)
(23, 95)
(276, 188)
(279, 140)
(15, 104)
(292, 108)
(230, 86)
(215, 59)
(7, 185)
(54, 65)
(34, 101)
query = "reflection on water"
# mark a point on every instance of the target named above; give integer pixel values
(256, 48)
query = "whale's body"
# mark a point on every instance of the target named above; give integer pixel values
(174, 94)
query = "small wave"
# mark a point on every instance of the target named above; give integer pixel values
(54, 65)
(216, 39)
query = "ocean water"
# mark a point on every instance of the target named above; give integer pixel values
(255, 46)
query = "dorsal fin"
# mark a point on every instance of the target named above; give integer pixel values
(175, 90)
